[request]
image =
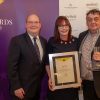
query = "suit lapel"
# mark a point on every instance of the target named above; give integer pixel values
(42, 44)
(82, 41)
(30, 45)
(98, 41)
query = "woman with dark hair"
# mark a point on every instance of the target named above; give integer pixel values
(62, 41)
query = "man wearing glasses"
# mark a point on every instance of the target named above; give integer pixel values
(26, 61)
(88, 40)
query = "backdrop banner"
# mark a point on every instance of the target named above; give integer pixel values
(12, 22)
(76, 11)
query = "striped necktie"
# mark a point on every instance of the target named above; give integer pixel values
(36, 47)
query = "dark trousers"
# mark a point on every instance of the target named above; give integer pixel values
(63, 94)
(89, 92)
(37, 97)
(28, 97)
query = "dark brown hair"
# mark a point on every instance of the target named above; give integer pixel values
(93, 11)
(58, 23)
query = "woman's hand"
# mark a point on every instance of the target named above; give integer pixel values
(50, 84)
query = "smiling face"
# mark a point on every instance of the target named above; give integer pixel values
(63, 29)
(33, 25)
(93, 22)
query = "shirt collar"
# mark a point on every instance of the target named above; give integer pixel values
(33, 36)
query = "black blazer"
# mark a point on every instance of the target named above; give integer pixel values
(24, 68)
(96, 74)
(82, 37)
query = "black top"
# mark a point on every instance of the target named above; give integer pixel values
(59, 47)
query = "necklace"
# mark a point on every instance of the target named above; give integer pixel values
(66, 42)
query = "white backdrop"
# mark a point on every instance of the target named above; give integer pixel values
(76, 10)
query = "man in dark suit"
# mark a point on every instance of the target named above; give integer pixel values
(87, 41)
(26, 61)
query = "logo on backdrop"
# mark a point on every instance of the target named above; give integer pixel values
(5, 22)
(71, 17)
(71, 6)
(1, 1)
(92, 5)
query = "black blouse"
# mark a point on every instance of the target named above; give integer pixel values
(61, 46)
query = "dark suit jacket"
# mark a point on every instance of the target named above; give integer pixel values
(82, 37)
(24, 68)
(95, 73)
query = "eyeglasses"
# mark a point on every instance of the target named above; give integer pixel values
(31, 22)
(63, 26)
(96, 19)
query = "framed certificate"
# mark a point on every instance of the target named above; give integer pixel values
(65, 72)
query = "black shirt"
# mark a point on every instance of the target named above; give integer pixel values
(61, 46)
